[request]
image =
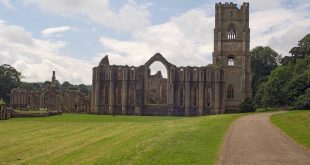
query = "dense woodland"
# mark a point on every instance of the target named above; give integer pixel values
(281, 82)
(276, 81)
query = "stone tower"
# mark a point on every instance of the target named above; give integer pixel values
(231, 52)
(54, 78)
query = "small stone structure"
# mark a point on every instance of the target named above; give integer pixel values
(213, 89)
(5, 113)
(51, 98)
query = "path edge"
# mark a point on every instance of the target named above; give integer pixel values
(302, 147)
(224, 141)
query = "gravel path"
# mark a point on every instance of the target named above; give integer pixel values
(253, 140)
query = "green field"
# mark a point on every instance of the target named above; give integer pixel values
(296, 124)
(94, 139)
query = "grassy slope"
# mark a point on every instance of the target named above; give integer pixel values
(296, 124)
(91, 139)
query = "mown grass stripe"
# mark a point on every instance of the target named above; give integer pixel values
(91, 139)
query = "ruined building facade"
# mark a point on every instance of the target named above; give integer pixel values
(51, 98)
(213, 89)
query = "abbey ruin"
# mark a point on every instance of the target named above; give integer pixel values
(51, 98)
(212, 89)
(187, 91)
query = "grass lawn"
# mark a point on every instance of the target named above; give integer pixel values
(92, 139)
(296, 124)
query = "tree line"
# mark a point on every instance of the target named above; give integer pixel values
(281, 82)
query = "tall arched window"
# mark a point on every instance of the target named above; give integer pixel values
(230, 92)
(231, 60)
(231, 34)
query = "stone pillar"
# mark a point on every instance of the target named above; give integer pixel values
(96, 90)
(217, 85)
(170, 91)
(187, 91)
(19, 99)
(125, 91)
(138, 100)
(201, 91)
(93, 95)
(111, 91)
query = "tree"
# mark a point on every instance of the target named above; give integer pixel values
(297, 86)
(9, 79)
(84, 89)
(66, 85)
(272, 91)
(247, 105)
(30, 86)
(263, 61)
(303, 101)
(299, 52)
(73, 88)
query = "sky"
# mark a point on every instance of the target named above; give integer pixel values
(72, 36)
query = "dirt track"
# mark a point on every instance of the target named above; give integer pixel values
(253, 140)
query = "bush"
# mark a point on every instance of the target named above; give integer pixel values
(303, 101)
(247, 105)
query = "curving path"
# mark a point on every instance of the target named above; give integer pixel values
(253, 140)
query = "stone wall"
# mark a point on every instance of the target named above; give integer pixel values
(5, 113)
(51, 99)
(213, 89)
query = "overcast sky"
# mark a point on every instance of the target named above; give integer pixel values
(72, 36)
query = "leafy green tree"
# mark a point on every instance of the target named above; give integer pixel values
(9, 79)
(73, 88)
(84, 89)
(297, 86)
(299, 52)
(272, 92)
(66, 85)
(303, 101)
(30, 86)
(247, 105)
(263, 61)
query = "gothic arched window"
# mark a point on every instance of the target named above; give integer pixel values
(231, 60)
(231, 34)
(230, 92)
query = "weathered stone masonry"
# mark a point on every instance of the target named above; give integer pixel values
(51, 99)
(212, 89)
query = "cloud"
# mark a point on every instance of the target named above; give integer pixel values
(130, 17)
(280, 28)
(36, 59)
(53, 30)
(7, 4)
(187, 39)
(183, 40)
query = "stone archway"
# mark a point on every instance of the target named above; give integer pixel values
(156, 88)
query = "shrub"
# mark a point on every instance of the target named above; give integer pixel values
(303, 101)
(247, 105)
